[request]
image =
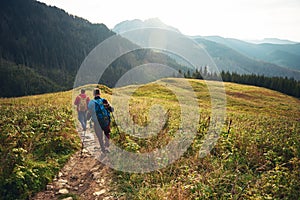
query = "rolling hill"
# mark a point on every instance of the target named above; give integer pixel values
(255, 156)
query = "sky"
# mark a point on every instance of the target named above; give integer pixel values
(240, 19)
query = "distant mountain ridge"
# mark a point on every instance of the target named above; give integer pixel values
(272, 41)
(129, 25)
(285, 55)
(238, 56)
(228, 59)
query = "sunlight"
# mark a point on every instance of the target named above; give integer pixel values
(244, 19)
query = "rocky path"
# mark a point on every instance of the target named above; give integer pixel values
(83, 177)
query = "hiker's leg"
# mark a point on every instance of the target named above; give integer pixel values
(91, 124)
(81, 119)
(84, 120)
(107, 137)
(99, 134)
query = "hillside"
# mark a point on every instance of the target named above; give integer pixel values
(256, 155)
(19, 80)
(49, 45)
(47, 40)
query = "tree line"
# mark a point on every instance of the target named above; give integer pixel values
(284, 85)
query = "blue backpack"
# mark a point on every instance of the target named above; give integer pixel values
(102, 114)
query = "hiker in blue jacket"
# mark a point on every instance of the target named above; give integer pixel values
(100, 109)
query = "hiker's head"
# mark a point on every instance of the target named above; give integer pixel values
(82, 91)
(96, 92)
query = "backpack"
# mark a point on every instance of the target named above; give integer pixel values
(82, 106)
(102, 114)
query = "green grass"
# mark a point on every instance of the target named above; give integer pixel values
(37, 138)
(257, 155)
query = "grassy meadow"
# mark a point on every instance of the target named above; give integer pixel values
(37, 137)
(257, 154)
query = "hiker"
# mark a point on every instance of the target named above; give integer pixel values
(82, 101)
(99, 110)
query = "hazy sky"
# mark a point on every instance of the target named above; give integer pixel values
(242, 19)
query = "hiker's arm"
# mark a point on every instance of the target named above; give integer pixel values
(110, 108)
(76, 102)
(88, 115)
(91, 110)
(91, 106)
(87, 100)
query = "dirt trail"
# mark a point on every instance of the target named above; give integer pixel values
(83, 176)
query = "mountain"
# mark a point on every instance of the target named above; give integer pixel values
(228, 54)
(272, 41)
(48, 46)
(134, 24)
(229, 59)
(285, 55)
(47, 40)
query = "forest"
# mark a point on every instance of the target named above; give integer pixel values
(285, 85)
